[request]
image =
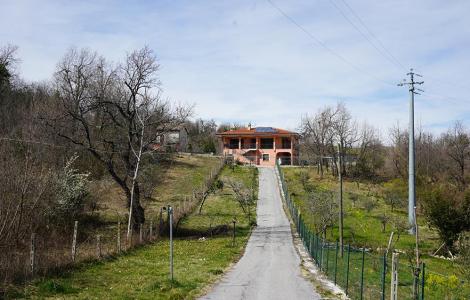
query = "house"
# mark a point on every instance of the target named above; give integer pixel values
(172, 140)
(261, 145)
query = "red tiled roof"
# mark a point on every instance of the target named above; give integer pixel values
(257, 131)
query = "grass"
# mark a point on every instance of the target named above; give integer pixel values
(143, 273)
(363, 228)
(175, 179)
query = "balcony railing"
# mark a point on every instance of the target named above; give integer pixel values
(249, 146)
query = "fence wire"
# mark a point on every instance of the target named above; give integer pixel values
(360, 272)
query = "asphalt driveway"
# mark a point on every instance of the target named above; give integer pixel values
(270, 267)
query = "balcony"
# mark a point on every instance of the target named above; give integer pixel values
(249, 146)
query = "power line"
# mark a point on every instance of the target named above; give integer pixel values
(323, 45)
(346, 61)
(379, 42)
(386, 54)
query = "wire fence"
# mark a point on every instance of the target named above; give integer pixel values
(52, 250)
(360, 272)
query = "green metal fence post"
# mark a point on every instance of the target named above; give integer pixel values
(336, 260)
(423, 280)
(383, 275)
(347, 270)
(321, 254)
(362, 272)
(316, 248)
(310, 244)
(327, 257)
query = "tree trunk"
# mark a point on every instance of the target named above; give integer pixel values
(138, 214)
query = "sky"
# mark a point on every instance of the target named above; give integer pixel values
(268, 62)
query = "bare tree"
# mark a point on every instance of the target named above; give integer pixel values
(114, 113)
(324, 210)
(370, 153)
(398, 156)
(317, 135)
(345, 131)
(244, 196)
(457, 145)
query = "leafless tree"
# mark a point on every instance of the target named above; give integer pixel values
(115, 113)
(345, 131)
(244, 196)
(370, 152)
(317, 135)
(398, 155)
(324, 209)
(457, 146)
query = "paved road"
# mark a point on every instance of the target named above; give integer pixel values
(270, 268)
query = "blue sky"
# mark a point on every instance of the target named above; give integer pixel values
(244, 61)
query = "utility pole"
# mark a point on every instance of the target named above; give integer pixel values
(411, 149)
(340, 176)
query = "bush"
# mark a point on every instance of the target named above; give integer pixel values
(464, 257)
(71, 189)
(446, 213)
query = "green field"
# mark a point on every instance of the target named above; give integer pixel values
(363, 228)
(143, 273)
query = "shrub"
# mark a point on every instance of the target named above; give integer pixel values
(464, 257)
(71, 189)
(446, 213)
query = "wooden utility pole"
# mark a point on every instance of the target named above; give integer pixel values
(340, 176)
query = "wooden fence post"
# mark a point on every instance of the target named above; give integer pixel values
(74, 240)
(119, 237)
(32, 253)
(98, 246)
(394, 276)
(141, 233)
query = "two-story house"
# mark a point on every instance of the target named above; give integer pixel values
(261, 145)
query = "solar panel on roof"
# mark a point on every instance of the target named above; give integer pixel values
(265, 129)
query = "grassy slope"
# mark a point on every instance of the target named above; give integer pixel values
(143, 273)
(362, 228)
(176, 180)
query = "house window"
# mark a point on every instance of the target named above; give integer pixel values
(265, 157)
(285, 142)
(233, 144)
(267, 143)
